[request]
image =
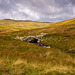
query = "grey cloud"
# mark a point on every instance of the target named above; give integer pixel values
(40, 10)
(72, 2)
(7, 5)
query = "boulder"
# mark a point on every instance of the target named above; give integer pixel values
(31, 39)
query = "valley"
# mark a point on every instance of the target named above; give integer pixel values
(22, 58)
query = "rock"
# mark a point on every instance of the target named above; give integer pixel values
(38, 41)
(48, 47)
(43, 33)
(20, 38)
(39, 36)
(31, 39)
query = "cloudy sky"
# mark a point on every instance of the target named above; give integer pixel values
(37, 10)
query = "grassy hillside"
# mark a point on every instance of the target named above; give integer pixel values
(21, 58)
(14, 25)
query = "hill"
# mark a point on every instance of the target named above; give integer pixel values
(8, 25)
(21, 58)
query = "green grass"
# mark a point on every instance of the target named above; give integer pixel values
(63, 42)
(21, 58)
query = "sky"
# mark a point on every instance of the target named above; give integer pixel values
(37, 10)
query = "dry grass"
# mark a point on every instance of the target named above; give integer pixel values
(21, 58)
(12, 25)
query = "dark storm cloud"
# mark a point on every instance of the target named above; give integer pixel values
(38, 10)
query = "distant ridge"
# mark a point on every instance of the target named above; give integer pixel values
(24, 21)
(17, 20)
(37, 21)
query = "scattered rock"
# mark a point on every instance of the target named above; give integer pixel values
(34, 40)
(41, 35)
(20, 38)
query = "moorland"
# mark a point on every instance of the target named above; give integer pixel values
(21, 58)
